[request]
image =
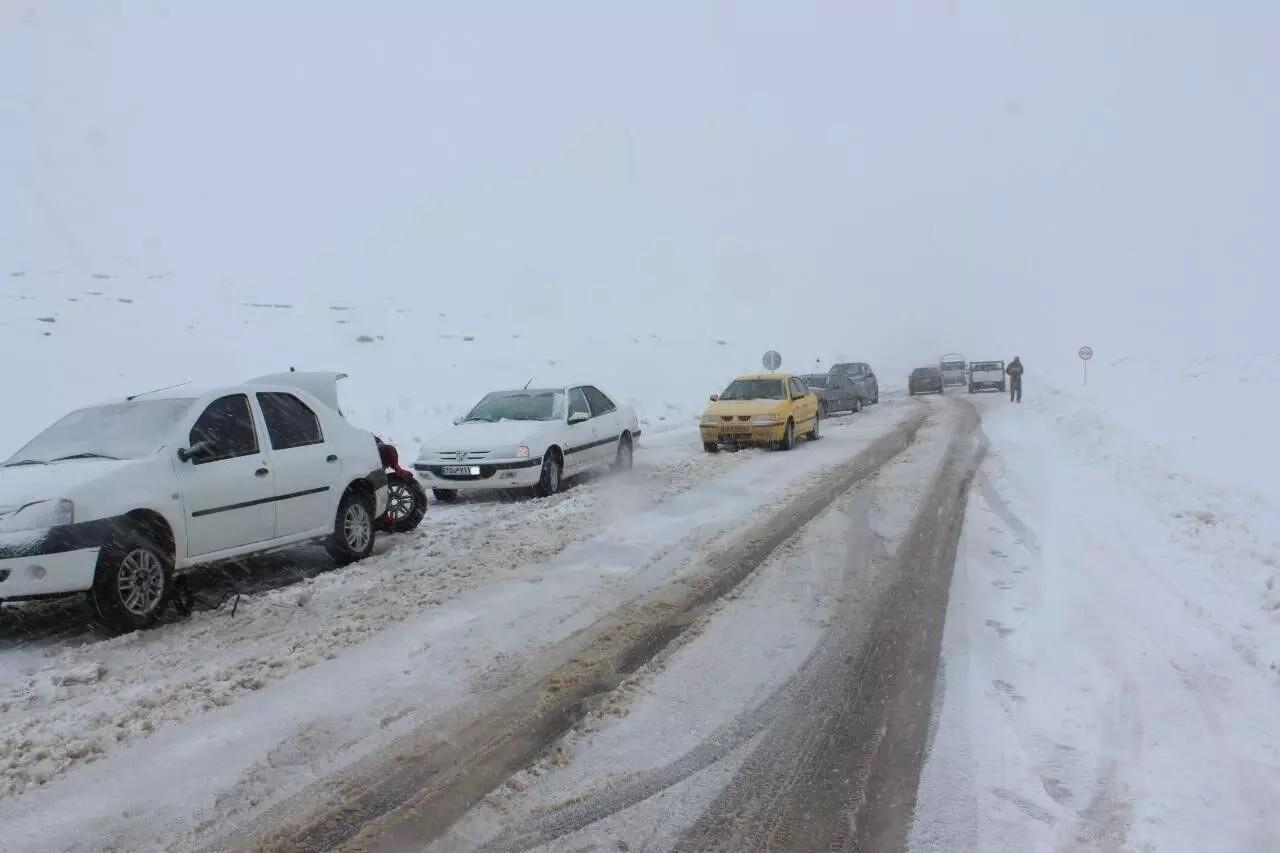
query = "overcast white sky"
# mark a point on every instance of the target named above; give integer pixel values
(908, 177)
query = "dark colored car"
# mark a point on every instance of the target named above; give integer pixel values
(836, 392)
(863, 378)
(925, 380)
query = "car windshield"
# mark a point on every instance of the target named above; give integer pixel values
(115, 431)
(815, 380)
(540, 405)
(924, 371)
(953, 365)
(987, 365)
(754, 389)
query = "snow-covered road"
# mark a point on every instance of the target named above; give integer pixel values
(715, 652)
(679, 756)
(171, 737)
(1110, 675)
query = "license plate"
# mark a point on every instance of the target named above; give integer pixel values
(460, 470)
(737, 430)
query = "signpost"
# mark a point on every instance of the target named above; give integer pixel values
(1085, 353)
(772, 361)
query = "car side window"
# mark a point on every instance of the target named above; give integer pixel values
(600, 404)
(578, 402)
(290, 422)
(226, 428)
(798, 389)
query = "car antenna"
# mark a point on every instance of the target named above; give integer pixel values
(527, 384)
(157, 390)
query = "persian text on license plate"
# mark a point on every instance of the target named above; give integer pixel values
(460, 470)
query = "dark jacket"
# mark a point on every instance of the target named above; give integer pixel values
(1014, 369)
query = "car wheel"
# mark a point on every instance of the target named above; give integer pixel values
(625, 459)
(710, 447)
(549, 482)
(133, 582)
(353, 532)
(406, 504)
(816, 432)
(788, 437)
(445, 495)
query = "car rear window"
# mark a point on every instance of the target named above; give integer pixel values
(290, 422)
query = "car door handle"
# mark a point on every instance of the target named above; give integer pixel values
(333, 457)
(261, 472)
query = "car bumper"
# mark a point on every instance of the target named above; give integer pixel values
(750, 435)
(497, 474)
(30, 567)
(986, 386)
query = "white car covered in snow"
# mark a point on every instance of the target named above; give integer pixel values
(531, 438)
(112, 499)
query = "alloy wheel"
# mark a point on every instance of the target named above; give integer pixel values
(140, 582)
(357, 527)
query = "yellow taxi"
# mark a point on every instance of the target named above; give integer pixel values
(768, 409)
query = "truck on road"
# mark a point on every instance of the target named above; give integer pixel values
(986, 376)
(953, 369)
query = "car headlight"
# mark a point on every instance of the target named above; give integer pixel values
(765, 420)
(522, 452)
(709, 420)
(38, 515)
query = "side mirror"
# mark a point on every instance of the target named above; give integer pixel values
(196, 451)
(715, 397)
(579, 417)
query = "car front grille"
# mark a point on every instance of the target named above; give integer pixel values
(462, 455)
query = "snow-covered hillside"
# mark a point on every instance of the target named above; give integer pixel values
(85, 336)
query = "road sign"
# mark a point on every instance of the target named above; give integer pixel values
(1085, 353)
(771, 360)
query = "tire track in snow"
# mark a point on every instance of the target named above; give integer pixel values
(423, 797)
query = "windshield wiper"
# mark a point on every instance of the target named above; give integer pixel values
(25, 462)
(85, 456)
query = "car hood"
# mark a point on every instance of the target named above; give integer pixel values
(745, 407)
(482, 435)
(23, 484)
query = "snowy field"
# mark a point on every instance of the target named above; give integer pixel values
(1111, 663)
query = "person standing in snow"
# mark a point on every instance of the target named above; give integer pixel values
(1015, 379)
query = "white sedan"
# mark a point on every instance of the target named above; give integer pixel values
(111, 499)
(531, 438)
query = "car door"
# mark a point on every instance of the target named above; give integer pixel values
(805, 405)
(228, 491)
(609, 425)
(841, 393)
(579, 451)
(872, 383)
(306, 465)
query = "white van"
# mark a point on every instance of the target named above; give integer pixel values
(953, 370)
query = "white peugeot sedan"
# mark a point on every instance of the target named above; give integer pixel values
(531, 438)
(112, 499)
